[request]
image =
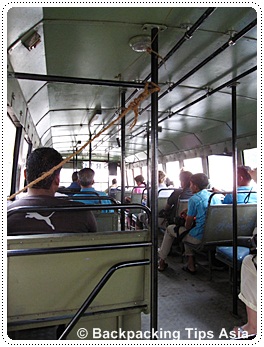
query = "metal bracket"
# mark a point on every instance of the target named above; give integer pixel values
(149, 26)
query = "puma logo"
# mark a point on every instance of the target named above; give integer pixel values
(38, 216)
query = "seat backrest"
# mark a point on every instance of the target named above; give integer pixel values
(219, 222)
(106, 221)
(118, 194)
(182, 205)
(136, 198)
(50, 276)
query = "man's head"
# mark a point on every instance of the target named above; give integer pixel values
(185, 177)
(86, 177)
(75, 176)
(40, 161)
(243, 175)
(199, 182)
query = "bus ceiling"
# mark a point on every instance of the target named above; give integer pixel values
(68, 68)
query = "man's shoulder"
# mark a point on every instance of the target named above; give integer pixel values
(100, 193)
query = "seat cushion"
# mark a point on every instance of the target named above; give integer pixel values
(225, 254)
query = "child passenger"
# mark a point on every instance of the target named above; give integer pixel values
(195, 220)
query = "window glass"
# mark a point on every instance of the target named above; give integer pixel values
(173, 172)
(193, 165)
(9, 151)
(130, 178)
(250, 157)
(221, 172)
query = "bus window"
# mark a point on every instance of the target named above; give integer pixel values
(136, 172)
(9, 150)
(193, 165)
(220, 172)
(173, 172)
(250, 157)
(130, 178)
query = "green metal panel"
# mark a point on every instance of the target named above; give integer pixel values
(54, 286)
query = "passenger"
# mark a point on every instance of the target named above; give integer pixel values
(169, 183)
(142, 220)
(141, 185)
(248, 294)
(75, 184)
(197, 206)
(86, 181)
(43, 194)
(248, 290)
(112, 189)
(243, 185)
(185, 193)
(162, 188)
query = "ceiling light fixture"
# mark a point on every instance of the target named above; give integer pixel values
(31, 40)
(140, 43)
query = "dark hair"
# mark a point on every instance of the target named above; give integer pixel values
(200, 180)
(75, 176)
(139, 178)
(40, 161)
(244, 172)
(86, 177)
(114, 181)
(185, 177)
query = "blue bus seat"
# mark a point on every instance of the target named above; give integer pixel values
(225, 255)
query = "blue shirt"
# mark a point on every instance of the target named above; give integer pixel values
(74, 185)
(242, 198)
(94, 202)
(197, 207)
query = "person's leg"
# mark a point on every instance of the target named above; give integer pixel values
(166, 246)
(251, 325)
(248, 294)
(189, 252)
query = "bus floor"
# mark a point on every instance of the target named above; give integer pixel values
(193, 307)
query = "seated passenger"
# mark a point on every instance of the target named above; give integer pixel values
(43, 194)
(248, 287)
(169, 212)
(75, 184)
(185, 193)
(197, 207)
(111, 191)
(86, 180)
(141, 185)
(243, 185)
(163, 192)
(248, 295)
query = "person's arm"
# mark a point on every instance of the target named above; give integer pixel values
(189, 222)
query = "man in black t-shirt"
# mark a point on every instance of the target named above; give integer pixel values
(42, 194)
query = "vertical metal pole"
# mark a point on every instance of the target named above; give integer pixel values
(123, 154)
(90, 151)
(14, 179)
(154, 182)
(234, 152)
(148, 166)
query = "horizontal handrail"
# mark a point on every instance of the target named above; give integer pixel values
(225, 193)
(65, 249)
(75, 207)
